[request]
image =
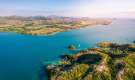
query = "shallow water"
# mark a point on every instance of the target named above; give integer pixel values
(22, 56)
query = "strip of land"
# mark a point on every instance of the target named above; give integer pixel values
(110, 61)
(38, 25)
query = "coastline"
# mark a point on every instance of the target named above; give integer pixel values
(94, 63)
(48, 26)
(50, 33)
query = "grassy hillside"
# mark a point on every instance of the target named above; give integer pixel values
(109, 62)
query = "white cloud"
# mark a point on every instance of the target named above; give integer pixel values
(89, 8)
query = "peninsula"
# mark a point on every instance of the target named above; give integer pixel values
(110, 61)
(40, 25)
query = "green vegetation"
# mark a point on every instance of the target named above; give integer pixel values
(45, 25)
(110, 62)
(72, 47)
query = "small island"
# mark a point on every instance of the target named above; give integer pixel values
(72, 47)
(111, 61)
(40, 25)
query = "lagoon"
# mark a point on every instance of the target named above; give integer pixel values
(22, 56)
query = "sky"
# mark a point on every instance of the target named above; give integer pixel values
(76, 8)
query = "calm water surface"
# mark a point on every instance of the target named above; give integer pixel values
(22, 56)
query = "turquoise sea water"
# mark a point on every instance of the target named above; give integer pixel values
(22, 56)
